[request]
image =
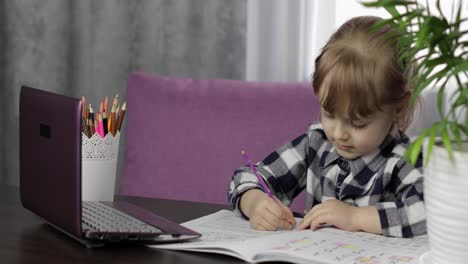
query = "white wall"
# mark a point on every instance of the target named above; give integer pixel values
(284, 37)
(346, 9)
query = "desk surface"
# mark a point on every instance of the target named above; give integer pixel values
(27, 239)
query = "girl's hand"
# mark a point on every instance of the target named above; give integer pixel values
(267, 214)
(331, 212)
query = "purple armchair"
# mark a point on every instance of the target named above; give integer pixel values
(184, 136)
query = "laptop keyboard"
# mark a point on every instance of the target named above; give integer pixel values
(104, 218)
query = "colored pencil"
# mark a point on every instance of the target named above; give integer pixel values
(101, 106)
(104, 123)
(117, 111)
(112, 121)
(106, 104)
(84, 126)
(112, 117)
(91, 121)
(121, 116)
(101, 125)
(260, 179)
(84, 111)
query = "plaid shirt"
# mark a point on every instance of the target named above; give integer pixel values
(382, 178)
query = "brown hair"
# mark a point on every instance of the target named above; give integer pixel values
(358, 72)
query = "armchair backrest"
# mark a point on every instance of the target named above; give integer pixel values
(184, 136)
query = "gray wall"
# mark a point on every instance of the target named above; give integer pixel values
(88, 47)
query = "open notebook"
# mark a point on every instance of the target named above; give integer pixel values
(227, 233)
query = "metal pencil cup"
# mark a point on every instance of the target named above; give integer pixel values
(99, 167)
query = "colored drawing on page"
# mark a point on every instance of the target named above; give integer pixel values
(366, 260)
(401, 258)
(296, 244)
(346, 246)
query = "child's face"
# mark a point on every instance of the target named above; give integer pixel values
(355, 138)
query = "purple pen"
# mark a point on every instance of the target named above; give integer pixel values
(260, 179)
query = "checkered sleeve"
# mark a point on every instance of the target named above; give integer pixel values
(405, 216)
(284, 171)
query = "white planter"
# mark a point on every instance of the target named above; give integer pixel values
(446, 201)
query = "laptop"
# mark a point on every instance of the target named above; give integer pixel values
(50, 179)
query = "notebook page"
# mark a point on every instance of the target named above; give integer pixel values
(222, 232)
(227, 233)
(331, 245)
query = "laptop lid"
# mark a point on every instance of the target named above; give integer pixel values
(50, 157)
(50, 169)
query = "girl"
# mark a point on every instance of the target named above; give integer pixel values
(352, 164)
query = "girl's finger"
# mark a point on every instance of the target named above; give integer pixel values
(278, 223)
(260, 224)
(315, 213)
(267, 222)
(304, 224)
(287, 213)
(318, 220)
(276, 209)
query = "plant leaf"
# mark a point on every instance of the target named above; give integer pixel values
(459, 14)
(464, 129)
(391, 9)
(440, 98)
(379, 24)
(422, 81)
(462, 67)
(462, 99)
(436, 76)
(446, 140)
(429, 44)
(422, 34)
(430, 143)
(382, 3)
(415, 148)
(436, 61)
(456, 133)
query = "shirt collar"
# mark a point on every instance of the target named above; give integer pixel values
(372, 160)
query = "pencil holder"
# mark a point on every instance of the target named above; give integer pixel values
(99, 166)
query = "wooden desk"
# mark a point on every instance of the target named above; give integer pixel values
(27, 239)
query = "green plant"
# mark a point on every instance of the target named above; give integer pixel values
(435, 48)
